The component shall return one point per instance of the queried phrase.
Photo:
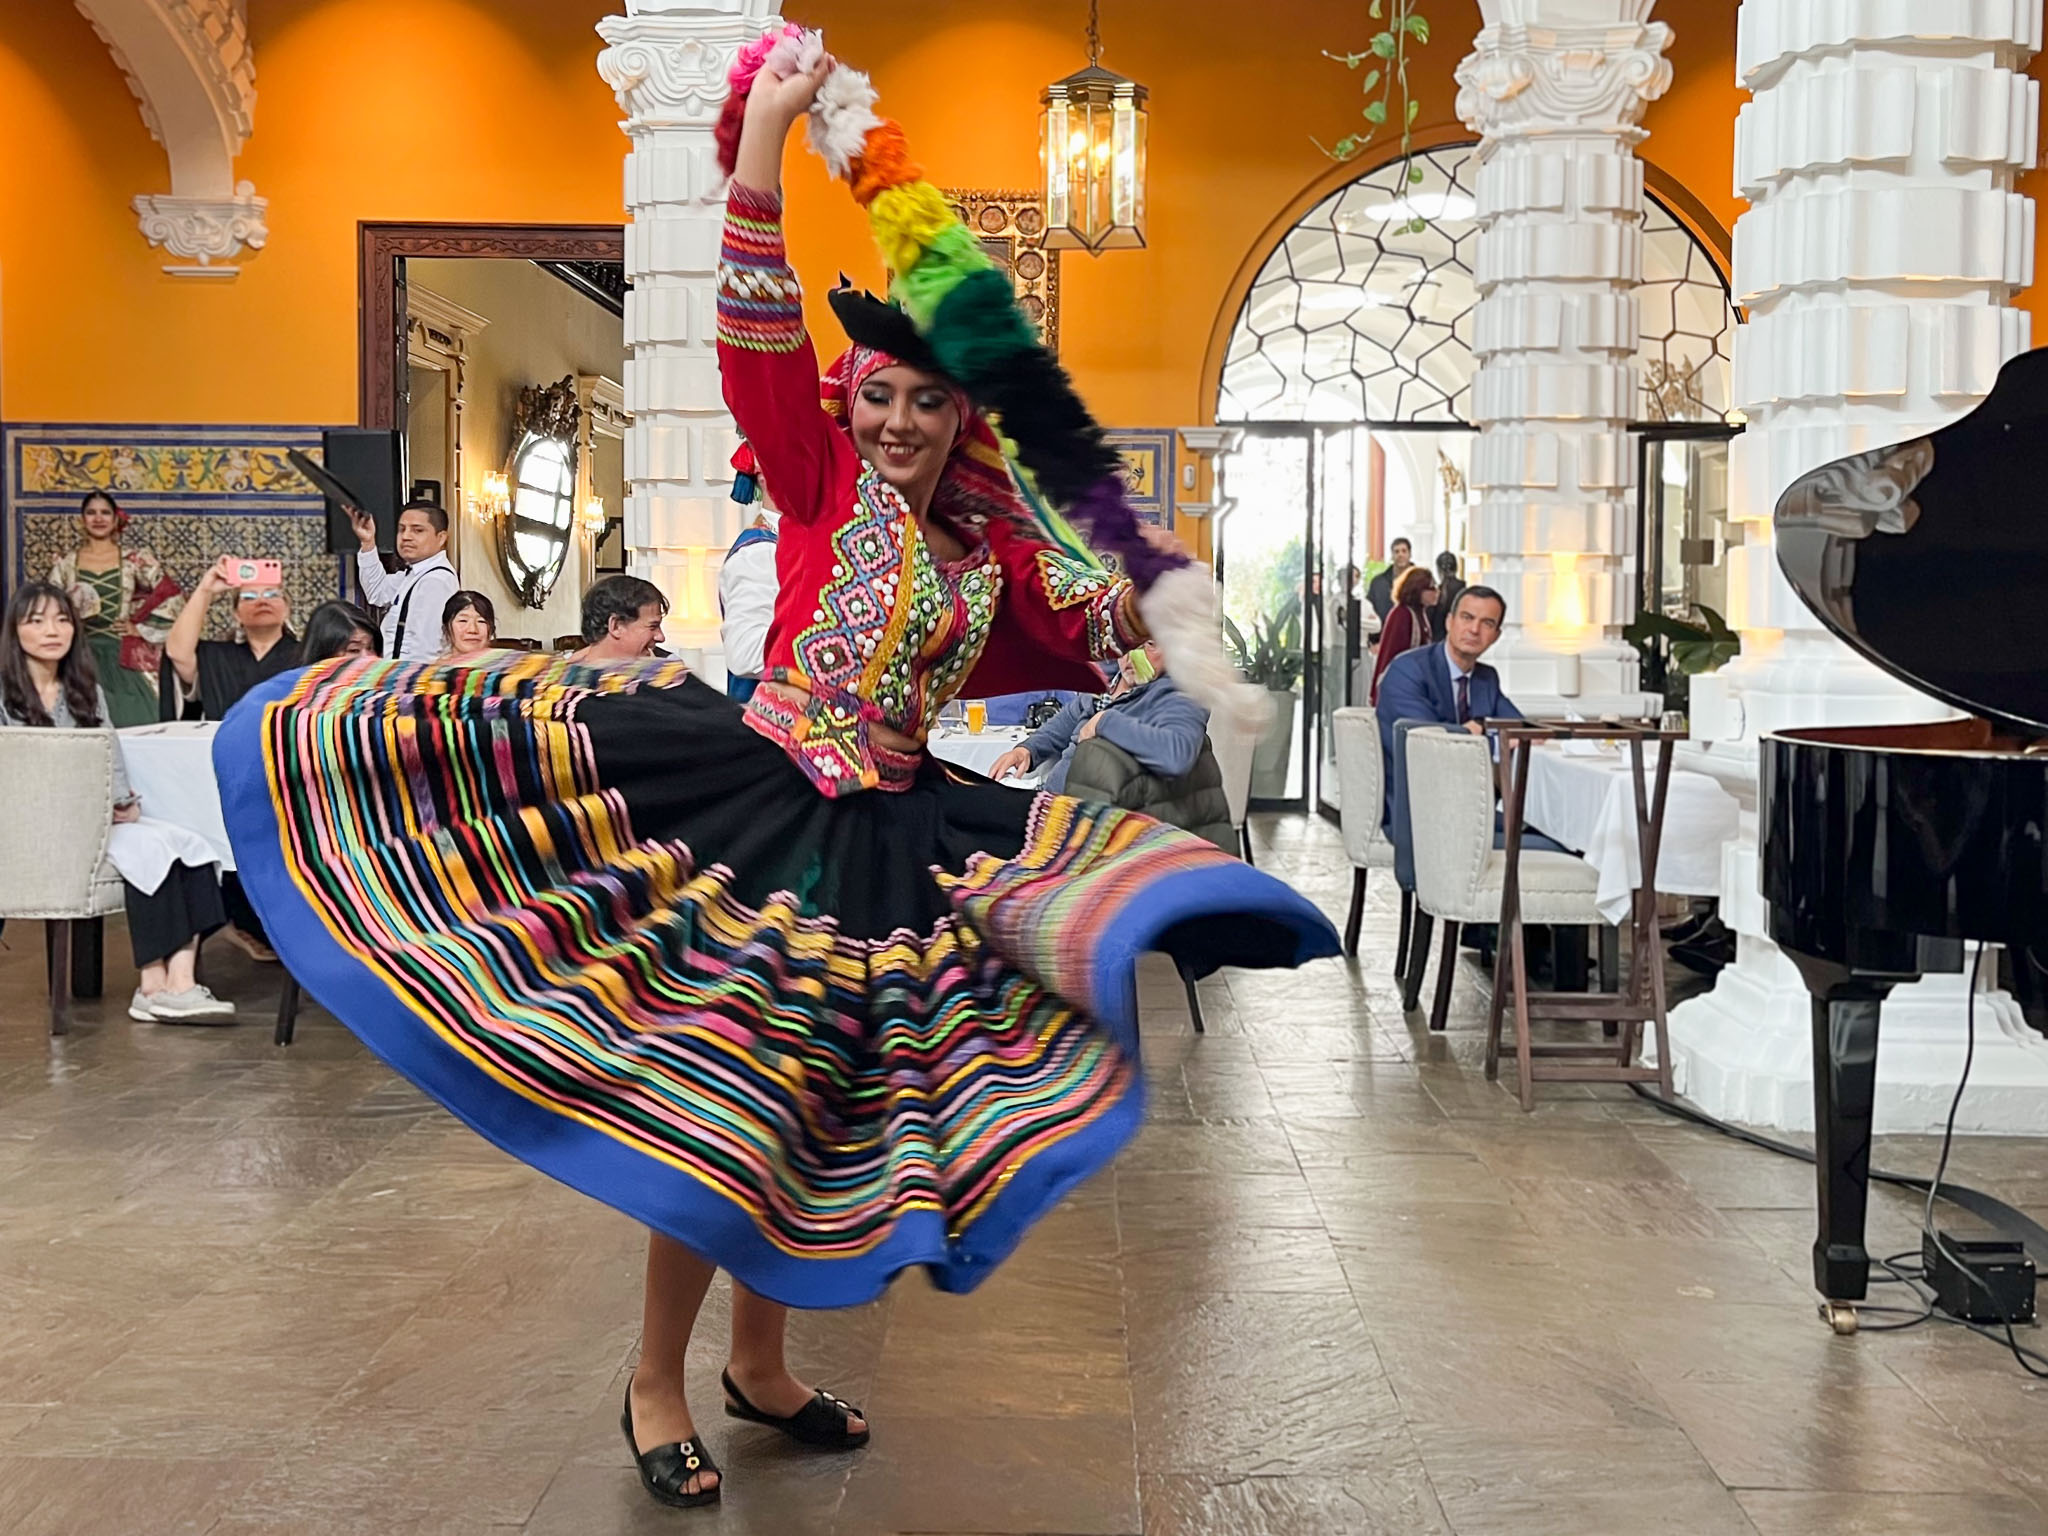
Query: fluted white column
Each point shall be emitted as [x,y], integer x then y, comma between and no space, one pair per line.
[1556,90]
[1878,262]
[667,60]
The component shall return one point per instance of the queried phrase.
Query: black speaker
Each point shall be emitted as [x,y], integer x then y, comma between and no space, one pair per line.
[371,462]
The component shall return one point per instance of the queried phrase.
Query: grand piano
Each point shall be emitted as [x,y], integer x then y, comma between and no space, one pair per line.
[1886,848]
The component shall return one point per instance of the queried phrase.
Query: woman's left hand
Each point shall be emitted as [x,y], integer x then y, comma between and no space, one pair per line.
[128,810]
[1165,541]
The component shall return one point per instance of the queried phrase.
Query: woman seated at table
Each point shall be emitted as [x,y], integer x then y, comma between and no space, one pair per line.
[337,628]
[172,889]
[1407,627]
[469,627]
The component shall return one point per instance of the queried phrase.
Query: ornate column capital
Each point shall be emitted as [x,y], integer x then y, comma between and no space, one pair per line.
[1522,79]
[668,65]
[194,78]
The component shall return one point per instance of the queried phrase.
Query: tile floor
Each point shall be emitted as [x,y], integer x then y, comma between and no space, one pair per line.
[1340,1285]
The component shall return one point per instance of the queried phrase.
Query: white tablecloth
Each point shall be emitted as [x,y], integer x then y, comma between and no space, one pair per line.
[979,753]
[171,767]
[1589,803]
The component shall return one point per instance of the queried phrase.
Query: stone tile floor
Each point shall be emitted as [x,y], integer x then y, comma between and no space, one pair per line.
[1340,1285]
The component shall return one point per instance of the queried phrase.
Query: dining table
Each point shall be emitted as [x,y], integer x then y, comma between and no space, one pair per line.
[979,751]
[170,766]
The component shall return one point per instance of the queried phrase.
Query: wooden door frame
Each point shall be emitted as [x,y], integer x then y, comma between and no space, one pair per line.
[381,244]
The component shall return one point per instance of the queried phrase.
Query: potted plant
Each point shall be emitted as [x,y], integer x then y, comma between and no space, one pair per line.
[1272,658]
[1674,651]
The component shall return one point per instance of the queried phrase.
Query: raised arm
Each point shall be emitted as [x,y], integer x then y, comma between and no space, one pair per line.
[765,358]
[181,645]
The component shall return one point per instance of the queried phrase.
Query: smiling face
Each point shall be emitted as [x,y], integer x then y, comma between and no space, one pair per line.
[46,632]
[468,632]
[100,519]
[905,422]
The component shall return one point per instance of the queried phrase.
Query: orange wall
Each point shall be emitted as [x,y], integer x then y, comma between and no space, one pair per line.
[493,110]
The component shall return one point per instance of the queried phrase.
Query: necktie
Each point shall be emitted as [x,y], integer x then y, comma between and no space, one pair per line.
[1464,699]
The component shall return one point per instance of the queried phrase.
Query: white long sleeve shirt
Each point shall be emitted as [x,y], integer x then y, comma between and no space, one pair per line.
[414,596]
[746,594]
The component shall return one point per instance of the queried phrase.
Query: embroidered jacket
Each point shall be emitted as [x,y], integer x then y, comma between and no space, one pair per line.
[868,619]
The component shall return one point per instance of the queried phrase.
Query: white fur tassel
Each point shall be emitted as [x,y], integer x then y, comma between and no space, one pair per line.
[796,55]
[1180,611]
[841,118]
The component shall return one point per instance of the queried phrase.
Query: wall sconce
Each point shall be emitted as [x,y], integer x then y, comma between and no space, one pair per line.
[1092,143]
[594,517]
[494,501]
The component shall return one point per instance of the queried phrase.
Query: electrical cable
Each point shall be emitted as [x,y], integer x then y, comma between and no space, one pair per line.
[2014,1223]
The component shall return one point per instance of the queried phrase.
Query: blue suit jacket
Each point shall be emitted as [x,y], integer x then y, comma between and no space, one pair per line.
[1417,687]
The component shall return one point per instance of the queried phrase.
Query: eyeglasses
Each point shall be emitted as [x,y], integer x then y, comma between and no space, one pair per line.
[259,595]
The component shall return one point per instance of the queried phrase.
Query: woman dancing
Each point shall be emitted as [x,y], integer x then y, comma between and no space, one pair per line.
[768,977]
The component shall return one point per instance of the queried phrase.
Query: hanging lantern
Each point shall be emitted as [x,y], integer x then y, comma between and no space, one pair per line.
[1092,143]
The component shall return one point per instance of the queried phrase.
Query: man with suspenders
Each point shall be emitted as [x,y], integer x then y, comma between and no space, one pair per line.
[412,599]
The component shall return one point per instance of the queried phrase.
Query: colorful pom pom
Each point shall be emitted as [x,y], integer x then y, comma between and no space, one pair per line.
[906,220]
[732,118]
[978,329]
[747,62]
[952,255]
[884,162]
[842,118]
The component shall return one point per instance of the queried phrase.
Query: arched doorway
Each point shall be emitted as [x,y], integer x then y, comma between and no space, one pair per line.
[1350,366]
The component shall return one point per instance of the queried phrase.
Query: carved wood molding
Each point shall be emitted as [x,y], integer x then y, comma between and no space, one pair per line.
[381,246]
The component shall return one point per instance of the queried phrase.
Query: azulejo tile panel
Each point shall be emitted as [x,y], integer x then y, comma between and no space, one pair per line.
[192,493]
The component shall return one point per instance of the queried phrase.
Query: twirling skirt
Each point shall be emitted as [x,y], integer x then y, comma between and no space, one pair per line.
[617,931]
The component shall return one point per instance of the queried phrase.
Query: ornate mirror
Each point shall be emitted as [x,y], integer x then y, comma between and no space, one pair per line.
[535,535]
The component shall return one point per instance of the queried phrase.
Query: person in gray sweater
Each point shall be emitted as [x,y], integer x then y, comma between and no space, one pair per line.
[1152,720]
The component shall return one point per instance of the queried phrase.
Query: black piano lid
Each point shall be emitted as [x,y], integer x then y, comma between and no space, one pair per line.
[1931,557]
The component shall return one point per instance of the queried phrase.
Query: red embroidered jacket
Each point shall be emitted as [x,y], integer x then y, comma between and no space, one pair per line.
[868,619]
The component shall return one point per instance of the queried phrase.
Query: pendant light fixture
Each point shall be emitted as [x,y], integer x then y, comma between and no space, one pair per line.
[1092,144]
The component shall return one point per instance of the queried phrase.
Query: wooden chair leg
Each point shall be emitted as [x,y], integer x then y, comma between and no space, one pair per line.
[1418,958]
[60,976]
[1357,916]
[287,1011]
[1524,1045]
[1446,968]
[1496,1008]
[1401,944]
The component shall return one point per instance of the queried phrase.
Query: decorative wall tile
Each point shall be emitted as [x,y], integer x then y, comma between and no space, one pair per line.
[192,493]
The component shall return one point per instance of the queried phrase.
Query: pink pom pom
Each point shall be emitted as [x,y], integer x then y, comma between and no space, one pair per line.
[753,55]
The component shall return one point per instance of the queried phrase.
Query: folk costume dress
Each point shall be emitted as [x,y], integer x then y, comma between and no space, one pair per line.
[817,1010]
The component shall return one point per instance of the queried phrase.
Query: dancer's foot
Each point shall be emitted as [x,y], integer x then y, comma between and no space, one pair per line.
[802,1412]
[661,1417]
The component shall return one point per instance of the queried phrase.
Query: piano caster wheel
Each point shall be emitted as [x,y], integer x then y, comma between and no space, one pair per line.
[1839,1315]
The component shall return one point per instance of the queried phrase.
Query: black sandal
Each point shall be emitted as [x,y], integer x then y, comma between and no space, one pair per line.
[820,1422]
[667,1469]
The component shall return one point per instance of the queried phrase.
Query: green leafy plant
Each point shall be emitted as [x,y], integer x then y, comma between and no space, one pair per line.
[1272,657]
[1681,650]
[1388,99]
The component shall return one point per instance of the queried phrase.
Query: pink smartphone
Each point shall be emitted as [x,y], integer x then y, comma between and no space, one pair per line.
[241,571]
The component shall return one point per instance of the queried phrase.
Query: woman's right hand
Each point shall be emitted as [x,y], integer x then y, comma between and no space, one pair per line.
[782,99]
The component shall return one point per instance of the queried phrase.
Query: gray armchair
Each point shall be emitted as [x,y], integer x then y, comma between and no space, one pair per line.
[54,821]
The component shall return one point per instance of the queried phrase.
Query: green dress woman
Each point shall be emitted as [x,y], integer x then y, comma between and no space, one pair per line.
[127,604]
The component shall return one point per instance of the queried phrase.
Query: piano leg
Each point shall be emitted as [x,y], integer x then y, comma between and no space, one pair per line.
[1846,1011]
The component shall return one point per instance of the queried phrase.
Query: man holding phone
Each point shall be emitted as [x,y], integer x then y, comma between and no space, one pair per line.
[412,599]
[219,672]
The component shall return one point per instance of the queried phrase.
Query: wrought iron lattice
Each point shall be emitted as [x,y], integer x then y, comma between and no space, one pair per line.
[1357,318]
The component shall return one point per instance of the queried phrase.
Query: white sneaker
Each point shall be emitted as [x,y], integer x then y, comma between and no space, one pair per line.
[138,1007]
[194,1005]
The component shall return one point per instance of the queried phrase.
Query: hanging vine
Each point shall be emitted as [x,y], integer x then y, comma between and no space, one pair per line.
[1385,62]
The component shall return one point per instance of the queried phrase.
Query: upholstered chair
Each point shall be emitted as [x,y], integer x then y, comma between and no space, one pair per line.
[1234,750]
[54,817]
[1460,875]
[1361,794]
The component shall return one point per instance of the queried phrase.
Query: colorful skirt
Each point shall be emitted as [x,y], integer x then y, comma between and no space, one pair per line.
[617,932]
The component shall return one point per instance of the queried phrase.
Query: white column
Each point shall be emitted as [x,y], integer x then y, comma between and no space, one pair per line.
[1556,90]
[667,60]
[1877,263]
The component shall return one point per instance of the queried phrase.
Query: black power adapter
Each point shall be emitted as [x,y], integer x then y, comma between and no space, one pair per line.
[1979,1280]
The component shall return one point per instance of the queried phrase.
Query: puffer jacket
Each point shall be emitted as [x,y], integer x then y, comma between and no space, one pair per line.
[1103,771]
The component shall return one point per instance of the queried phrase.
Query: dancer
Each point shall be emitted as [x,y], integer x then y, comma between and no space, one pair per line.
[768,977]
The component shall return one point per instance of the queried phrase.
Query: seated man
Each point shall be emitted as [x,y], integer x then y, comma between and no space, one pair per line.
[1447,683]
[218,673]
[1145,714]
[621,620]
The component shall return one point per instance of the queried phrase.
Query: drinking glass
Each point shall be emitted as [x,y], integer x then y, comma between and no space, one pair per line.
[977,716]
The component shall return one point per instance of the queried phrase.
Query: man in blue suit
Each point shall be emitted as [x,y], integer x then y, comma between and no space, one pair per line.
[1447,683]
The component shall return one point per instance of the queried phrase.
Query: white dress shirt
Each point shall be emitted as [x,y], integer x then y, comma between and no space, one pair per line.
[415,595]
[746,596]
